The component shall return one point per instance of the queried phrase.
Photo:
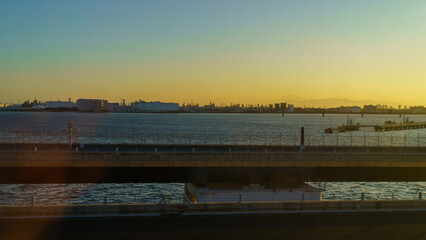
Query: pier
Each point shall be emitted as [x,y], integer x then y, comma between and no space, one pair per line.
[399,126]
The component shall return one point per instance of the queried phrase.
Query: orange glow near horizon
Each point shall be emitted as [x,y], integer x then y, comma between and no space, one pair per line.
[347,53]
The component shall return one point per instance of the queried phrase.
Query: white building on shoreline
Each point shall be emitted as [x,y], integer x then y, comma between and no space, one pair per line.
[59,104]
[143,106]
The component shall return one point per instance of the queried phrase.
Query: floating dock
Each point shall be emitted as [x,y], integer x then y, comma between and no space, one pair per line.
[399,126]
[379,127]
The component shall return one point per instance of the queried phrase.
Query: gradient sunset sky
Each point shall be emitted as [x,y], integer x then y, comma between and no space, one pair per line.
[213,51]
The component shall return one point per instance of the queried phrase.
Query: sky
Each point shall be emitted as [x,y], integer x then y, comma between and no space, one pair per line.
[230,51]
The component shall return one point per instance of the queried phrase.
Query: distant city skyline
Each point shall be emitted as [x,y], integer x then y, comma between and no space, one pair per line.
[103,105]
[308,103]
[240,51]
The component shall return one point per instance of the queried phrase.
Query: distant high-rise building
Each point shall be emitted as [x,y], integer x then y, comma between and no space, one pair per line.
[370,108]
[114,107]
[95,105]
[354,109]
[418,109]
[277,107]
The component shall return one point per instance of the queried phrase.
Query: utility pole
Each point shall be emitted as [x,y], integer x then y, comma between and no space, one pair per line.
[70,128]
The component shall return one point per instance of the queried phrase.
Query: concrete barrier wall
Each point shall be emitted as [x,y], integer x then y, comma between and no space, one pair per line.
[296,206]
[58,159]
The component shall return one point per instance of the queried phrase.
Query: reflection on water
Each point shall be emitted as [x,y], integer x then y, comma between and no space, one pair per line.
[18,194]
[11,194]
[270,129]
[219,127]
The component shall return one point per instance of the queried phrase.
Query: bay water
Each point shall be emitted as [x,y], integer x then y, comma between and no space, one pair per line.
[196,128]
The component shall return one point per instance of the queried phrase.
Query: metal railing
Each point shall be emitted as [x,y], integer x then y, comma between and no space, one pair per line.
[371,196]
[166,199]
[203,138]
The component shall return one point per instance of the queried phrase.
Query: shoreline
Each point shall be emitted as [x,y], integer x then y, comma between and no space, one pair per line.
[214,112]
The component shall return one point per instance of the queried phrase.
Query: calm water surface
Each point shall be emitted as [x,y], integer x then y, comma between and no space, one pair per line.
[213,128]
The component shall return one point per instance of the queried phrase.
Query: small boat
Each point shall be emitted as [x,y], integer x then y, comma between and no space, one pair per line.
[328,130]
[345,128]
[349,126]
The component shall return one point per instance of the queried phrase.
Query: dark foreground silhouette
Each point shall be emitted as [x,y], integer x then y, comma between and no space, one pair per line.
[349,225]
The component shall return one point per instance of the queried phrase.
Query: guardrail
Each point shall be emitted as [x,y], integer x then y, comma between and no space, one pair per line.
[92,137]
[168,199]
[207,208]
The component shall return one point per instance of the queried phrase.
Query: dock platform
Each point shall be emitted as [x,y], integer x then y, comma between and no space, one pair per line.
[399,126]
